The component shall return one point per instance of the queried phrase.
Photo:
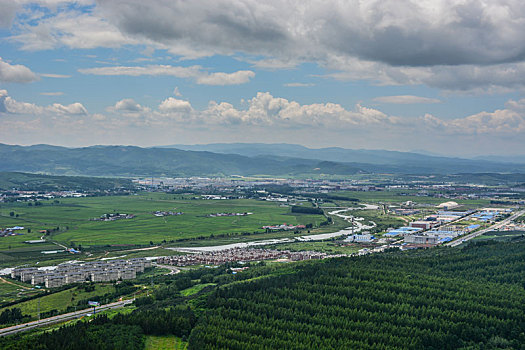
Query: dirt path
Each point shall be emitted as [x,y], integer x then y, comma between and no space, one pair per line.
[14,284]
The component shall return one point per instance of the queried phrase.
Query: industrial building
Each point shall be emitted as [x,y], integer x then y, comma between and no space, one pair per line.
[364,238]
[402,231]
[421,239]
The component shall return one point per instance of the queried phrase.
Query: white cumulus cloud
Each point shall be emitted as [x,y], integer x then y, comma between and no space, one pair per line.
[172,104]
[15,73]
[9,105]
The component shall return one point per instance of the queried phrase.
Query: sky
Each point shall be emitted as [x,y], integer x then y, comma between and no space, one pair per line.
[439,76]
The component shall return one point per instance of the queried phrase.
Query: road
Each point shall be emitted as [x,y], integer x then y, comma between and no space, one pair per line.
[60,318]
[173,269]
[485,230]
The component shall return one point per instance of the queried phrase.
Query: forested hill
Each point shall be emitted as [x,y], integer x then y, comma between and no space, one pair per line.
[35,182]
[441,299]
[171,162]
[136,161]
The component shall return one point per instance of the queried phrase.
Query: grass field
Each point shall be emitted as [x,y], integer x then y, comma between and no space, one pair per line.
[501,235]
[195,289]
[72,218]
[165,343]
[61,300]
[11,291]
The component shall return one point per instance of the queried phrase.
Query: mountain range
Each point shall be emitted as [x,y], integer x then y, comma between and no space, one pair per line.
[232,159]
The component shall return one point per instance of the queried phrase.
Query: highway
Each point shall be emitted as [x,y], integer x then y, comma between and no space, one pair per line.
[485,230]
[60,318]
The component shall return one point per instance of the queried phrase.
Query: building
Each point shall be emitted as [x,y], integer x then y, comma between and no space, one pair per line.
[364,238]
[421,239]
[403,231]
[99,271]
[425,225]
[55,280]
[448,205]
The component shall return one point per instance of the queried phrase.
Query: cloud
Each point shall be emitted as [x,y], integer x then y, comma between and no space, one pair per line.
[406,99]
[58,93]
[129,107]
[395,32]
[299,84]
[452,45]
[273,63]
[15,73]
[9,105]
[174,105]
[57,76]
[70,28]
[9,9]
[193,72]
[236,78]
[507,121]
[176,92]
[266,110]
[72,109]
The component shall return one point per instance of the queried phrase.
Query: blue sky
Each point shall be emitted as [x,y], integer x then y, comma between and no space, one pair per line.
[441,76]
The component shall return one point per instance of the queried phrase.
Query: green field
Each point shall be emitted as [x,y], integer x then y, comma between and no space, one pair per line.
[502,236]
[165,343]
[60,300]
[195,289]
[71,219]
[11,291]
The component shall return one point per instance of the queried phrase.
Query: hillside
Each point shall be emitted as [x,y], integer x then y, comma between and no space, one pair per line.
[369,160]
[35,182]
[232,159]
[136,161]
[441,298]
[438,299]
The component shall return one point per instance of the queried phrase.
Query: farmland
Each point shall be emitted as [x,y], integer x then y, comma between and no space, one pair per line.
[70,220]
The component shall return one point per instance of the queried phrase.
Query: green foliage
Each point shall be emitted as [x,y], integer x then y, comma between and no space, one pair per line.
[13,315]
[98,335]
[436,299]
[37,182]
[136,161]
[306,210]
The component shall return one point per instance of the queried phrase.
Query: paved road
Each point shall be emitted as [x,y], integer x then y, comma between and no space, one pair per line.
[485,230]
[60,318]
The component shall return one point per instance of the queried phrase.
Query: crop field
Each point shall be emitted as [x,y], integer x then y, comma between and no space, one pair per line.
[69,220]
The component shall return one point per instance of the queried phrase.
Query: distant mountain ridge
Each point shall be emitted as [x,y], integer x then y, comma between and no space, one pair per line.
[392,161]
[136,161]
[232,159]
